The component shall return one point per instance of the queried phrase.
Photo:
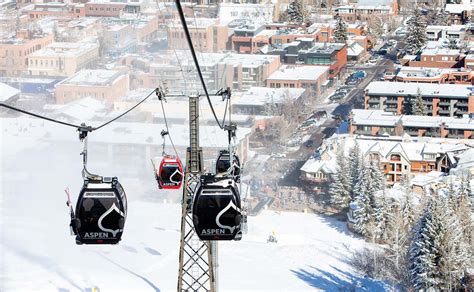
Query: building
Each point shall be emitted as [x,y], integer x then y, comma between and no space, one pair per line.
[257,13]
[431,75]
[206,33]
[257,100]
[438,58]
[105,85]
[451,100]
[459,13]
[305,51]
[249,38]
[118,39]
[437,32]
[14,51]
[104,9]
[58,9]
[364,10]
[308,77]
[397,156]
[381,123]
[62,59]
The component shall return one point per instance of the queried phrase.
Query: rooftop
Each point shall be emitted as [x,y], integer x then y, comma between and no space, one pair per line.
[299,73]
[265,95]
[92,78]
[382,118]
[65,50]
[426,89]
[7,92]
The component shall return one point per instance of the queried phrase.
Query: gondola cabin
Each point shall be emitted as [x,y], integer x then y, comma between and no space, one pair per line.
[170,173]
[223,164]
[217,211]
[101,212]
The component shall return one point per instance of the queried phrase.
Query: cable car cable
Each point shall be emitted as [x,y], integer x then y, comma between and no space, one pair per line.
[81,127]
[38,116]
[196,62]
[160,95]
[127,111]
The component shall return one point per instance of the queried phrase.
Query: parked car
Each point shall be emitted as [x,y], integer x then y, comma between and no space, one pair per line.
[309,143]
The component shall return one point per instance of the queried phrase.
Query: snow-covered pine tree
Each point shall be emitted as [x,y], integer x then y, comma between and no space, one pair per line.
[295,12]
[383,217]
[340,31]
[419,107]
[425,249]
[355,166]
[439,255]
[407,209]
[340,188]
[416,36]
[370,181]
[456,255]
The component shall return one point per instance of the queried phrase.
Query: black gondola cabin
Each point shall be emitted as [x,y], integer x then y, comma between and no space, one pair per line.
[101,212]
[223,164]
[217,211]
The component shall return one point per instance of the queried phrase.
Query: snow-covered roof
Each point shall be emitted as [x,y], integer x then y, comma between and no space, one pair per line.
[426,89]
[457,8]
[80,110]
[426,179]
[465,162]
[314,165]
[311,73]
[265,95]
[383,118]
[65,50]
[96,77]
[412,150]
[7,92]
[355,49]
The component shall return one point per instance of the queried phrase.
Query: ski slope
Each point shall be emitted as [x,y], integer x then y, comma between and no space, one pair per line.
[37,252]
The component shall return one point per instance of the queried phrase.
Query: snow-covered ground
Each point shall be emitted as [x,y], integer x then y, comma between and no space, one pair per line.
[38,254]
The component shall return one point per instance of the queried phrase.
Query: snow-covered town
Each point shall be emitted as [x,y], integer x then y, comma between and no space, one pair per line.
[283,145]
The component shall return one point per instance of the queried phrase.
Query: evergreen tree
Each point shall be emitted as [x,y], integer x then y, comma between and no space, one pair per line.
[340,31]
[416,36]
[383,217]
[439,256]
[419,107]
[407,209]
[296,12]
[442,18]
[370,181]
[355,166]
[340,188]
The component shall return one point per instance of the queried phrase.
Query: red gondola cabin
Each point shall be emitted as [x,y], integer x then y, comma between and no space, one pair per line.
[170,173]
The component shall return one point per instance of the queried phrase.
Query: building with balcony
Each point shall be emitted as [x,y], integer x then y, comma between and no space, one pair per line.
[396,156]
[432,75]
[62,59]
[436,32]
[106,85]
[450,100]
[381,123]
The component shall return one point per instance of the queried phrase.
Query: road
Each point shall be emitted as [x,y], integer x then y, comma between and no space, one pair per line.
[354,99]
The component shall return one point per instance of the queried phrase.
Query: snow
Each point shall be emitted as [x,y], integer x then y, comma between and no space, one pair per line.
[299,73]
[38,254]
[427,89]
[7,92]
